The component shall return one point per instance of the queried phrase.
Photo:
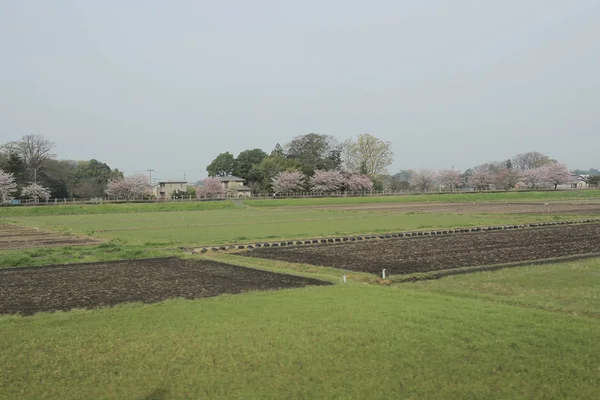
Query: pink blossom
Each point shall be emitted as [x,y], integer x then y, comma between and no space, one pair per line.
[422,180]
[506,178]
[213,187]
[481,177]
[533,177]
[555,173]
[356,183]
[7,186]
[449,178]
[129,187]
[36,191]
[327,181]
[288,182]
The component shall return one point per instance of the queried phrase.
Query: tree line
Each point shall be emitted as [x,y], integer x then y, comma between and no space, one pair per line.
[292,168]
[312,162]
[307,160]
[530,170]
[29,169]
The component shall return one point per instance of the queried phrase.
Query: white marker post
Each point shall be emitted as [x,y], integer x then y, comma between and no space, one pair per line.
[383,274]
[344,278]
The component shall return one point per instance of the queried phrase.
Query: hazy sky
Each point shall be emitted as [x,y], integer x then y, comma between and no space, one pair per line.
[170,84]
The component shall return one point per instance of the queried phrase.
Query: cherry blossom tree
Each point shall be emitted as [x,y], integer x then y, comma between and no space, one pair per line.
[449,178]
[129,187]
[327,181]
[533,177]
[36,192]
[213,187]
[357,183]
[481,177]
[555,173]
[506,178]
[423,180]
[288,182]
[7,186]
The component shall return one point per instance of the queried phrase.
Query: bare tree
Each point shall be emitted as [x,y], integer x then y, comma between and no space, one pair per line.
[33,150]
[531,160]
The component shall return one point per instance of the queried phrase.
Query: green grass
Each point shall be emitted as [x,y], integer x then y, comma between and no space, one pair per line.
[448,198]
[243,225]
[87,209]
[519,333]
[572,287]
[79,254]
[351,342]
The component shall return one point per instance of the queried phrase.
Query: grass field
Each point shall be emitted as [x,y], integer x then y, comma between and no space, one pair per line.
[79,254]
[449,197]
[351,342]
[571,288]
[243,225]
[87,209]
[521,333]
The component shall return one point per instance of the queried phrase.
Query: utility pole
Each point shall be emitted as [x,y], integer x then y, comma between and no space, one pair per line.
[150,170]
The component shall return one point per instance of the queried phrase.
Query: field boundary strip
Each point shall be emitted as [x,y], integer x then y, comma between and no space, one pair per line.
[380,236]
[485,268]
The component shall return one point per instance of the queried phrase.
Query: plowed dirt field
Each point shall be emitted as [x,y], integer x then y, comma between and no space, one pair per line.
[434,253]
[64,287]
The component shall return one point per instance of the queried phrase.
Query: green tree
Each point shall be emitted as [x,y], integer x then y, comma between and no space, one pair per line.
[91,178]
[245,161]
[315,151]
[368,154]
[593,180]
[278,151]
[16,166]
[271,166]
[58,176]
[221,166]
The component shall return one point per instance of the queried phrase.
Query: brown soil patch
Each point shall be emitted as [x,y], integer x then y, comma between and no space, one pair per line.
[433,253]
[575,208]
[16,237]
[63,287]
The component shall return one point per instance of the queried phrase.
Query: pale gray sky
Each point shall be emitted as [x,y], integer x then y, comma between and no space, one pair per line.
[169,84]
